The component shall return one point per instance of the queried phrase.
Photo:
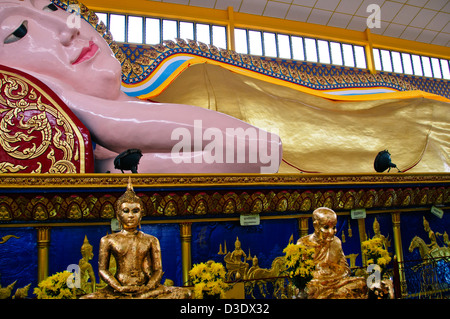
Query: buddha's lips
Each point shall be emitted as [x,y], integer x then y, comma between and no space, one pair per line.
[86,53]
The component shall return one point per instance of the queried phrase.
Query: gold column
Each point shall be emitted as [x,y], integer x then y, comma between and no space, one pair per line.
[186,263]
[369,52]
[362,237]
[230,30]
[398,248]
[43,244]
[303,226]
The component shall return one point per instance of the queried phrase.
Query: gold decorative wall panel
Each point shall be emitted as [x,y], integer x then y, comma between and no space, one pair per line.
[213,195]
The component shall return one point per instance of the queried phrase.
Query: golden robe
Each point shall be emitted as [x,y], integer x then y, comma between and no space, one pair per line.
[321,135]
[331,277]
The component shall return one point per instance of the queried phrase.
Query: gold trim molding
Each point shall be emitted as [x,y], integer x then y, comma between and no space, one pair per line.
[91,197]
[212,180]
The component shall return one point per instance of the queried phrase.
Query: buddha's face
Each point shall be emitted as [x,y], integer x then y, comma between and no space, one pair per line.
[130,215]
[325,227]
[39,38]
[87,253]
[376,228]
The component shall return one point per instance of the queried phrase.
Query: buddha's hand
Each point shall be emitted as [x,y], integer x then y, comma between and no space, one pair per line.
[152,284]
[129,289]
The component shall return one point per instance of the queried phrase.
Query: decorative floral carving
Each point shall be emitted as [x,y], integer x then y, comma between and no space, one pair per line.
[36,136]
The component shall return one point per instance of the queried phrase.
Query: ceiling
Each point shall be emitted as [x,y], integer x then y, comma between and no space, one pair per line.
[425,21]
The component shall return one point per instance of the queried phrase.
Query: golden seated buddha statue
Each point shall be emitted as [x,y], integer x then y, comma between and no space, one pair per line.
[138,258]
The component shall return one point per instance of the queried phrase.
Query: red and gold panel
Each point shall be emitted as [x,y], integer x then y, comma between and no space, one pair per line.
[38,132]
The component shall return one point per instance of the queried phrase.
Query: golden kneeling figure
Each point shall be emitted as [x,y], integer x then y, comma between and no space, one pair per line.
[331,278]
[138,258]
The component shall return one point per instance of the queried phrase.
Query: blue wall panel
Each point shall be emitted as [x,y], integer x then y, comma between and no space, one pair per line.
[18,258]
[266,240]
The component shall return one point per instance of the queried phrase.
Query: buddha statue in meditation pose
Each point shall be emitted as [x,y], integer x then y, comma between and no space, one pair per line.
[86,270]
[331,277]
[138,258]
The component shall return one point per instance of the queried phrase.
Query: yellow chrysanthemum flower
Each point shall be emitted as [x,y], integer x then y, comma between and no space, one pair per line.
[55,287]
[299,261]
[373,249]
[208,278]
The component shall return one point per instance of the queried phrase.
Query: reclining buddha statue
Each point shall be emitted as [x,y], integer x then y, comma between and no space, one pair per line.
[208,118]
[76,62]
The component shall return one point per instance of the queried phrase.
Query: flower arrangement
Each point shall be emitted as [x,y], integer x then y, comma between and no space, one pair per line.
[299,264]
[376,254]
[208,279]
[55,287]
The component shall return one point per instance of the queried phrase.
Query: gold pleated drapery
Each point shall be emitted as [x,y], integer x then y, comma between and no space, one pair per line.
[321,135]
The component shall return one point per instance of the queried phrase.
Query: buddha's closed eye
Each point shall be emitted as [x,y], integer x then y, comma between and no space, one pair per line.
[22,30]
[18,34]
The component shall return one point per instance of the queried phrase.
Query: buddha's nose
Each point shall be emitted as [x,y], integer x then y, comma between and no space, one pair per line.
[68,34]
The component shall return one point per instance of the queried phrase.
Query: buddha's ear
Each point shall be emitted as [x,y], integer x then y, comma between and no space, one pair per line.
[315,223]
[141,204]
[120,224]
